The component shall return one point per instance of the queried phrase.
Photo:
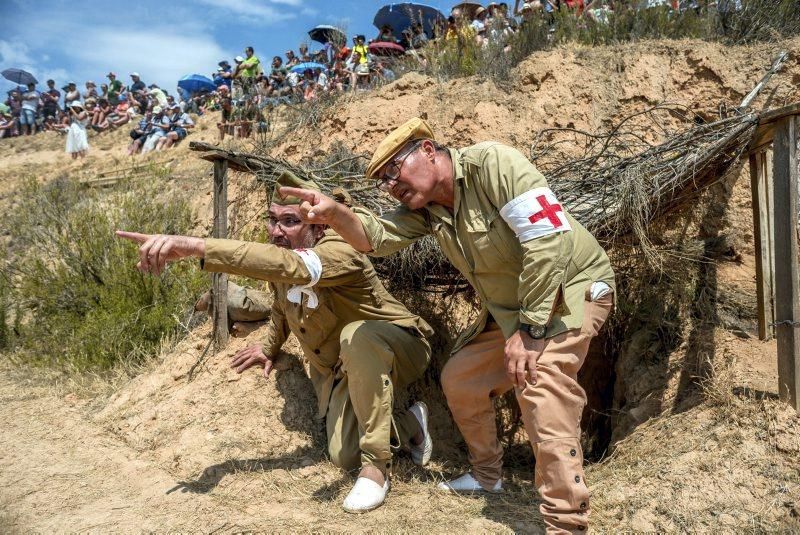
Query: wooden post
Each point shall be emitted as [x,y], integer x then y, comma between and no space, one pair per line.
[219,281]
[760,183]
[787,286]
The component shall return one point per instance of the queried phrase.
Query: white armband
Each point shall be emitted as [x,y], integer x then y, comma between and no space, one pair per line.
[314,266]
[534,214]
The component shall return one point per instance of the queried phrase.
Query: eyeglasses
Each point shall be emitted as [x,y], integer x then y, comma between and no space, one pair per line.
[391,171]
[286,223]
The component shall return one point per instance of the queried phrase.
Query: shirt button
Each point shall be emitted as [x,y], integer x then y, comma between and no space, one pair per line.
[572,452]
[583,505]
[302,329]
[581,528]
[577,479]
[316,351]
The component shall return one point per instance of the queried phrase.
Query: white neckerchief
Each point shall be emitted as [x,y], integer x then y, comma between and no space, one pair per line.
[314,266]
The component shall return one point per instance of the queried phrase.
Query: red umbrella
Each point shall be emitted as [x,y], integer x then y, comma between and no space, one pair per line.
[383,48]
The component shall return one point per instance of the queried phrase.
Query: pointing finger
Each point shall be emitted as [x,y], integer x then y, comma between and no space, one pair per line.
[306,195]
[132,236]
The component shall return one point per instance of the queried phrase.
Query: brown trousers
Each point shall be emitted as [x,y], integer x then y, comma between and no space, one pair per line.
[551,413]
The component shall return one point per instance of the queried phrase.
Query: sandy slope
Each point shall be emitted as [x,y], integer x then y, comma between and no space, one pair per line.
[230,453]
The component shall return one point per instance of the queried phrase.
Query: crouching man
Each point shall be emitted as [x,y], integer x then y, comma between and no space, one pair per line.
[545,284]
[362,344]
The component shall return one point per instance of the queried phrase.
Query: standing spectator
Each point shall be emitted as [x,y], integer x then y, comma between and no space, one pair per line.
[114,88]
[137,84]
[224,73]
[104,91]
[77,143]
[250,68]
[91,91]
[29,108]
[50,100]
[277,77]
[71,94]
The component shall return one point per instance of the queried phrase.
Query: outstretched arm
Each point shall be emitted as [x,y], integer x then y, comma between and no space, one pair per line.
[320,209]
[157,249]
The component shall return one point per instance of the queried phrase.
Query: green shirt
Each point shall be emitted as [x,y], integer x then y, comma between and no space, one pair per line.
[251,67]
[114,89]
[541,281]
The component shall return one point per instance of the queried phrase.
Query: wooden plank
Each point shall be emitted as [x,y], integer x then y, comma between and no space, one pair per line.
[765,133]
[787,286]
[219,281]
[763,242]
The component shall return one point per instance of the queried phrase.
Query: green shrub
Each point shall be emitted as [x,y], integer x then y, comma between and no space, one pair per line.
[81,301]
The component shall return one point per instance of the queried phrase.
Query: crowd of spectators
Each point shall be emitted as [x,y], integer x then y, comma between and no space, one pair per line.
[244,91]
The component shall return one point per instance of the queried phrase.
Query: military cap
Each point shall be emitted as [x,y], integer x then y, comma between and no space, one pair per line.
[411,130]
[290,180]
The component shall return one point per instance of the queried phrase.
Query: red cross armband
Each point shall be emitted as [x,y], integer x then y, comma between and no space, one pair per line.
[534,214]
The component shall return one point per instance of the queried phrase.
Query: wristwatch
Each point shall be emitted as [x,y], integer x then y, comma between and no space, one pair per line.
[534,331]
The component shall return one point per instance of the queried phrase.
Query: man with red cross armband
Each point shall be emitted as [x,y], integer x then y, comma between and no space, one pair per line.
[546,288]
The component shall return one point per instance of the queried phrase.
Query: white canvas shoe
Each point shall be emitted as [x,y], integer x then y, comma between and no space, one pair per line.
[467,484]
[421,453]
[365,496]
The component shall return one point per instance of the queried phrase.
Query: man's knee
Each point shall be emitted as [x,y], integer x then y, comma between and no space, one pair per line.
[453,383]
[358,340]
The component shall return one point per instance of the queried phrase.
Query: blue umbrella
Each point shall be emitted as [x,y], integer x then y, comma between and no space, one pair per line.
[327,34]
[194,83]
[402,15]
[301,67]
[18,76]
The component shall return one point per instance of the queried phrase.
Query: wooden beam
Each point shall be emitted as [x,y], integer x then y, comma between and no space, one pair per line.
[219,281]
[765,133]
[760,174]
[787,285]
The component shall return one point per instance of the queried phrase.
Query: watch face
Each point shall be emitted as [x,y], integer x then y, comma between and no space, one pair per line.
[537,331]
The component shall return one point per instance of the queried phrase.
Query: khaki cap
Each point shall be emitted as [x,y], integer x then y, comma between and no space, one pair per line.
[411,130]
[290,180]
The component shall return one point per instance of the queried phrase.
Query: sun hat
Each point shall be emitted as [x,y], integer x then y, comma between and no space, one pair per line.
[479,11]
[526,7]
[89,82]
[157,109]
[411,130]
[76,104]
[110,74]
[238,59]
[136,74]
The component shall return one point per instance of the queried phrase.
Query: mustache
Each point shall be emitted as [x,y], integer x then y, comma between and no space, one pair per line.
[280,242]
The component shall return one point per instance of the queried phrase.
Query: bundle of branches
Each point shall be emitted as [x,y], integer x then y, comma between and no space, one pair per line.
[616,183]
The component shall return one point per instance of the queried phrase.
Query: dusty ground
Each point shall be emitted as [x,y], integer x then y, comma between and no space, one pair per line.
[228,453]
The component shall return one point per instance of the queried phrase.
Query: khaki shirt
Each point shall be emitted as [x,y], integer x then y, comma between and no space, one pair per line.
[542,281]
[348,290]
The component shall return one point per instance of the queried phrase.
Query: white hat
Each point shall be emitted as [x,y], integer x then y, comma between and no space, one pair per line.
[136,74]
[238,59]
[526,6]
[76,104]
[157,109]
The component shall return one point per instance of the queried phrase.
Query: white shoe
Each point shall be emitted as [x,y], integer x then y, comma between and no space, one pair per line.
[467,484]
[421,453]
[365,496]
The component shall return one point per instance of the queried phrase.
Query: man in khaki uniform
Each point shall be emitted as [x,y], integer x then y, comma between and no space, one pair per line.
[545,284]
[361,343]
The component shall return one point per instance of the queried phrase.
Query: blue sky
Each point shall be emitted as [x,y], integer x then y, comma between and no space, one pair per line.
[162,40]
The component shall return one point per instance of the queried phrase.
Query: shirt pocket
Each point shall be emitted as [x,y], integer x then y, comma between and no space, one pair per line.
[489,234]
[317,329]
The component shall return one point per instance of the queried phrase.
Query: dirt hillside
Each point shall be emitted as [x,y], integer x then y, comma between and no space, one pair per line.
[227,453]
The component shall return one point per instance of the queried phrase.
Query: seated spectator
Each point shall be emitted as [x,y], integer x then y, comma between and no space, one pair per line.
[137,84]
[103,91]
[386,35]
[28,110]
[418,37]
[303,53]
[159,96]
[385,73]
[161,125]
[50,100]
[7,123]
[277,78]
[99,113]
[451,31]
[359,70]
[91,91]
[114,89]
[180,123]
[322,80]
[120,115]
[291,59]
[139,134]
[309,85]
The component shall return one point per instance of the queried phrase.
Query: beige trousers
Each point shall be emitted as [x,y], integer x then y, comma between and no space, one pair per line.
[551,412]
[363,424]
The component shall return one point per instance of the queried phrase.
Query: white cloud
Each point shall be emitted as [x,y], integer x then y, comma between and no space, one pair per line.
[13,54]
[160,55]
[257,11]
[19,56]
